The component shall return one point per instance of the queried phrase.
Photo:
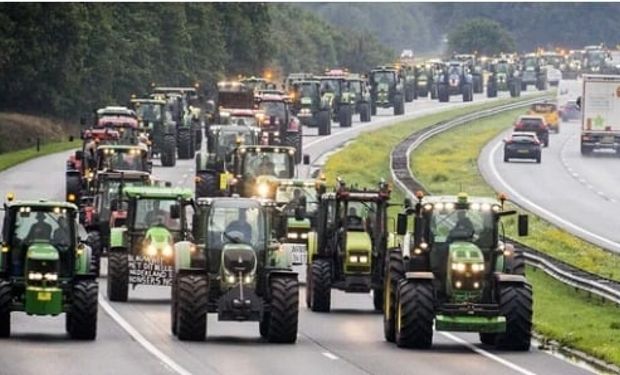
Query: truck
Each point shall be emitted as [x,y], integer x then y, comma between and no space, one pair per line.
[600,111]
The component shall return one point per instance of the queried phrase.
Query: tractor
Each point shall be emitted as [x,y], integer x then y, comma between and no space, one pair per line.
[212,167]
[157,121]
[423,80]
[533,72]
[336,93]
[45,266]
[310,107]
[237,270]
[142,248]
[386,90]
[97,216]
[474,68]
[122,158]
[408,76]
[357,86]
[280,127]
[232,95]
[455,79]
[453,271]
[435,67]
[347,249]
[120,119]
[296,77]
[503,76]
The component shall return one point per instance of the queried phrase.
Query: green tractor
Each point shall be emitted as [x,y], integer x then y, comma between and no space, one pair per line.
[408,76]
[503,76]
[454,272]
[358,87]
[310,107]
[237,270]
[161,129]
[423,80]
[386,90]
[45,266]
[212,167]
[347,249]
[474,67]
[334,91]
[142,248]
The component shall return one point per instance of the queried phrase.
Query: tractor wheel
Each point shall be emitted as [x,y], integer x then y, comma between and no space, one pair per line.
[73,186]
[377,299]
[491,91]
[184,147]
[283,317]
[82,319]
[514,91]
[365,113]
[118,276]
[395,272]
[422,93]
[345,116]
[324,122]
[415,314]
[586,150]
[6,296]
[487,338]
[442,94]
[408,95]
[515,262]
[173,306]
[523,86]
[192,301]
[197,137]
[94,241]
[373,109]
[321,274]
[478,88]
[515,303]
[293,139]
[468,95]
[169,151]
[207,184]
[399,105]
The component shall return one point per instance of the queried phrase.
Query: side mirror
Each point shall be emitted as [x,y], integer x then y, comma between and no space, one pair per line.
[578,102]
[175,211]
[523,225]
[401,224]
[79,155]
[408,203]
[306,160]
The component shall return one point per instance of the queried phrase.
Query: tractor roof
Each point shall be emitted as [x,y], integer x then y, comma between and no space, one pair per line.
[116,111]
[117,120]
[232,86]
[233,202]
[125,175]
[158,192]
[176,90]
[306,82]
[273,98]
[298,182]
[266,149]
[124,147]
[148,101]
[384,68]
[461,198]
[44,203]
[234,129]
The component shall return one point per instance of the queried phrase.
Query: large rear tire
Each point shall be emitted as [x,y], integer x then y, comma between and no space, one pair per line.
[491,91]
[82,319]
[394,274]
[324,122]
[345,116]
[284,314]
[399,105]
[192,301]
[365,112]
[6,296]
[468,94]
[118,276]
[415,315]
[320,298]
[94,241]
[377,299]
[168,153]
[184,146]
[207,184]
[515,303]
[442,94]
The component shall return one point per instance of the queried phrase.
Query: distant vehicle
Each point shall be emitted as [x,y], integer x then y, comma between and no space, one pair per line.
[550,112]
[570,111]
[522,145]
[535,124]
[600,110]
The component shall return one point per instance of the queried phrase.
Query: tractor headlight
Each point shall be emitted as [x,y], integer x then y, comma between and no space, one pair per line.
[51,276]
[230,279]
[168,251]
[363,259]
[247,279]
[35,276]
[458,284]
[263,190]
[303,236]
[353,259]
[276,134]
[458,267]
[292,235]
[477,267]
[151,250]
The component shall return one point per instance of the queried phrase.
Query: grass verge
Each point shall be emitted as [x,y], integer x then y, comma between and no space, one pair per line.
[13,158]
[560,313]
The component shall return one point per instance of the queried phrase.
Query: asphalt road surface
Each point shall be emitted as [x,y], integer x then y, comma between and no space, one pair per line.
[135,338]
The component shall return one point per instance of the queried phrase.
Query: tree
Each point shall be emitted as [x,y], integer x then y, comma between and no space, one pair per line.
[482,36]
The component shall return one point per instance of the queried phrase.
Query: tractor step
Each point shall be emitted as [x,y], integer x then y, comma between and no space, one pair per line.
[464,323]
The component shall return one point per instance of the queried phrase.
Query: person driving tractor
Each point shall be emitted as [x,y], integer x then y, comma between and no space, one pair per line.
[242,226]
[464,228]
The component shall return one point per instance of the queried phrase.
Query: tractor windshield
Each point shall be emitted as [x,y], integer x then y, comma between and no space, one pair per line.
[356,214]
[502,68]
[595,58]
[385,77]
[149,112]
[130,159]
[43,225]
[355,87]
[331,85]
[463,225]
[455,70]
[308,90]
[277,164]
[228,140]
[235,225]
[243,120]
[531,62]
[291,195]
[155,212]
[109,192]
[275,109]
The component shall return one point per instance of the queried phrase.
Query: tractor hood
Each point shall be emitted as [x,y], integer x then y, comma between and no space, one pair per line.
[293,223]
[238,263]
[158,241]
[42,251]
[466,269]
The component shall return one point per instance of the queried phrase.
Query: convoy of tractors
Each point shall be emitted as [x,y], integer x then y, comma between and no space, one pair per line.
[229,246]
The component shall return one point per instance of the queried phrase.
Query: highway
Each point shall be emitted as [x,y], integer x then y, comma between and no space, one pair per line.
[573,192]
[135,338]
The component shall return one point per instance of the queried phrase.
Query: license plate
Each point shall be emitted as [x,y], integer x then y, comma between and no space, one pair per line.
[44,296]
[298,254]
[523,151]
[607,140]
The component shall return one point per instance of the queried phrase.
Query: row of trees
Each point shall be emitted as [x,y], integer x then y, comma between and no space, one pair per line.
[65,59]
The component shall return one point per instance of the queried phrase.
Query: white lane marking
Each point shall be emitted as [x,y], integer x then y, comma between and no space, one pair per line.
[488,355]
[331,356]
[141,339]
[575,228]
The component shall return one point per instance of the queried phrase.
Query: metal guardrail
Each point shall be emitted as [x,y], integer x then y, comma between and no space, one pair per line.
[403,176]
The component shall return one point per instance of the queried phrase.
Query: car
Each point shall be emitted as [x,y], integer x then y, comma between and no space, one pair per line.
[570,111]
[535,124]
[522,145]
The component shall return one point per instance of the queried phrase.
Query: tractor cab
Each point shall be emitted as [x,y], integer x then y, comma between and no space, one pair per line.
[306,97]
[255,166]
[279,126]
[121,119]
[223,140]
[123,158]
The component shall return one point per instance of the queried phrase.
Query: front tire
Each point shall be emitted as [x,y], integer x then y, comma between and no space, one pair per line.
[169,151]
[321,273]
[82,319]
[192,299]
[6,299]
[345,116]
[94,241]
[283,317]
[415,315]
[184,146]
[395,272]
[207,184]
[118,276]
[515,303]
[399,105]
[324,123]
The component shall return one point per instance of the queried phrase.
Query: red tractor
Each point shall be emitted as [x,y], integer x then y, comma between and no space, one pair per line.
[279,126]
[121,119]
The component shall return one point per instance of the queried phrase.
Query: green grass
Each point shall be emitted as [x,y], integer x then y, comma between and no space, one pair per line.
[444,169]
[13,158]
[574,319]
